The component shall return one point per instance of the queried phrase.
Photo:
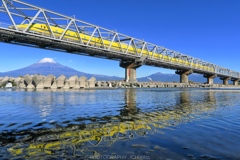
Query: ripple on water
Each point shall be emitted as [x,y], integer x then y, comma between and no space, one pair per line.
[171,123]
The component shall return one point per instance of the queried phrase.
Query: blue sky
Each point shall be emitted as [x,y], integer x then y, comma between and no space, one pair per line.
[205,29]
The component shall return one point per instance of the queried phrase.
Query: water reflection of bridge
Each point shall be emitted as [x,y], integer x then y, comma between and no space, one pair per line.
[131,123]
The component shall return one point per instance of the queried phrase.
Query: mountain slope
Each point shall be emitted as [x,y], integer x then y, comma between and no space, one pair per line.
[48,66]
[160,77]
[175,78]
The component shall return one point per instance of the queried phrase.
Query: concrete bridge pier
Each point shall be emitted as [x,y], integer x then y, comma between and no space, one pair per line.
[210,78]
[130,74]
[184,75]
[235,81]
[131,69]
[225,80]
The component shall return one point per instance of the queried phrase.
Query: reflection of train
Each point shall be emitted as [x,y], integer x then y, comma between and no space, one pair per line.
[98,42]
[124,128]
[93,133]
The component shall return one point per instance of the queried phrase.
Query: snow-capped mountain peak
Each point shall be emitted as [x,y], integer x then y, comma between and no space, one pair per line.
[47,60]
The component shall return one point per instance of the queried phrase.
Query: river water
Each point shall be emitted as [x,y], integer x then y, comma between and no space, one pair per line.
[160,123]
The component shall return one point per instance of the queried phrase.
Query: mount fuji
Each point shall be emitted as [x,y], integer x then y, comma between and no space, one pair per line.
[48,66]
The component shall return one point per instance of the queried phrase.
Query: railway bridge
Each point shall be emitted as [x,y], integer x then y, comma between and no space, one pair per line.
[38,27]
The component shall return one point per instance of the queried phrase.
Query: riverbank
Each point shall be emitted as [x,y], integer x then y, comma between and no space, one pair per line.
[75,82]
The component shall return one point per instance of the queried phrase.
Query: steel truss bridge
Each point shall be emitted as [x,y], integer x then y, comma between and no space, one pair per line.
[100,42]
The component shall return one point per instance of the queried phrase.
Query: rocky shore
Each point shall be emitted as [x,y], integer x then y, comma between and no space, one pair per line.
[75,82]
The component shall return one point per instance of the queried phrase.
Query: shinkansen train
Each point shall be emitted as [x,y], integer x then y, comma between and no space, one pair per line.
[95,41]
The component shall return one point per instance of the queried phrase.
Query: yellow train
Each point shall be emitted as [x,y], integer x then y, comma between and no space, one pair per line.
[98,42]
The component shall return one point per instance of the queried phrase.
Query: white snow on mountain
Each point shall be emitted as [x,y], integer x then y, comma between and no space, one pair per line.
[47,60]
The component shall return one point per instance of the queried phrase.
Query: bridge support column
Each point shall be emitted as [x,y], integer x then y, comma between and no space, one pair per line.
[130,74]
[235,81]
[210,78]
[184,75]
[131,69]
[225,80]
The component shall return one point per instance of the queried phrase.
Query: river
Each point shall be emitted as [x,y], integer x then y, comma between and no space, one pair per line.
[142,123]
